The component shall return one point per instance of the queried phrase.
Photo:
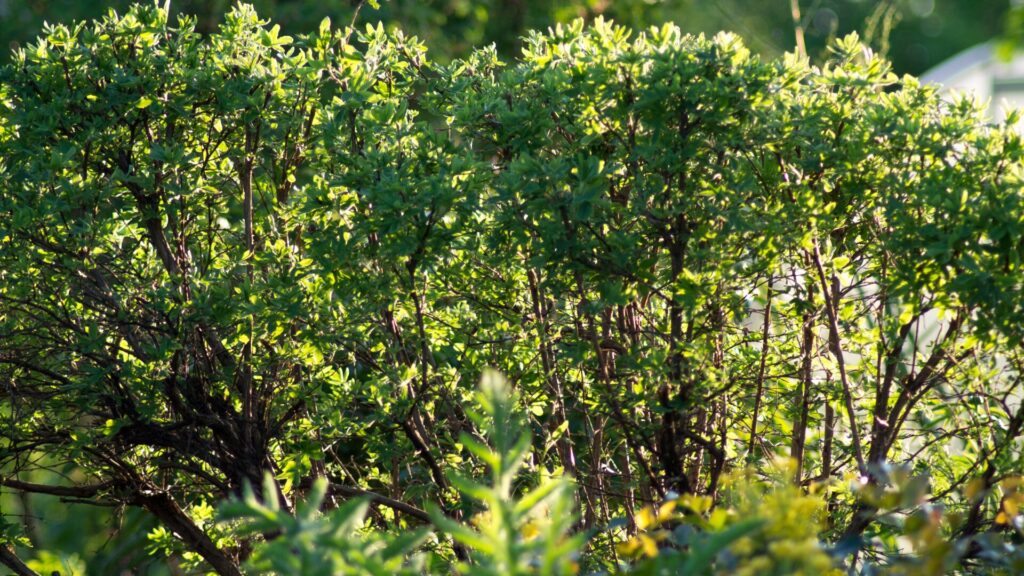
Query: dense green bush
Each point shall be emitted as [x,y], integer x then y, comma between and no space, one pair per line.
[250,253]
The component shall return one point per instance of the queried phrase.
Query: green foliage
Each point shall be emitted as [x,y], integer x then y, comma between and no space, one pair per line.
[527,534]
[314,545]
[761,526]
[258,252]
[513,535]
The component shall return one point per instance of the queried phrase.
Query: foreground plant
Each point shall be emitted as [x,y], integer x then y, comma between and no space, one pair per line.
[514,533]
[312,544]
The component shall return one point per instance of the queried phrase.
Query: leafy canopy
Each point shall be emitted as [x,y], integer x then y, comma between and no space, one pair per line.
[249,253]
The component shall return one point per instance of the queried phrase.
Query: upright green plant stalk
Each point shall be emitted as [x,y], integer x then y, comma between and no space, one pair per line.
[515,534]
[308,543]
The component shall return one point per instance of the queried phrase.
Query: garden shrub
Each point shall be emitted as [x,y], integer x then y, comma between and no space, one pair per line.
[246,255]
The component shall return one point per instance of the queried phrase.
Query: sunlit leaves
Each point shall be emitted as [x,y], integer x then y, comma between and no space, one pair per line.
[248,251]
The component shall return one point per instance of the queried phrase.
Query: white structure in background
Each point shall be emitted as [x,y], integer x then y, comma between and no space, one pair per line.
[981,71]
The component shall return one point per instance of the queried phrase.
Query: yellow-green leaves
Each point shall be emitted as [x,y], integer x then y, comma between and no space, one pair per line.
[231,253]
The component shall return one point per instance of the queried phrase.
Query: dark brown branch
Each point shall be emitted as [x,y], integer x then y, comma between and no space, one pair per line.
[10,559]
[167,511]
[86,491]
[765,333]
[421,446]
[339,489]
[835,344]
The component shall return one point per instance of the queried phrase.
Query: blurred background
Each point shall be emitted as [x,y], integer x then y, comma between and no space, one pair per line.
[915,34]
